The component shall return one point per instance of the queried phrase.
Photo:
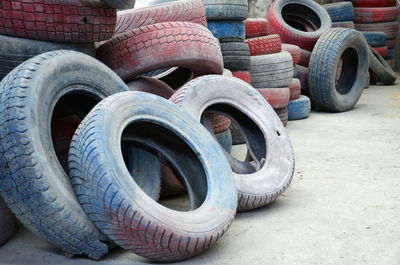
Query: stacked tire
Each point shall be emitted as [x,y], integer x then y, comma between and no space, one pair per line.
[341,13]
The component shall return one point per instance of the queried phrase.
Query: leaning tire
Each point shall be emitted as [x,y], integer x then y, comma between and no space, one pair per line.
[342,11]
[236,56]
[226,9]
[381,68]
[227,30]
[7,223]
[114,202]
[43,200]
[299,108]
[264,45]
[325,92]
[257,185]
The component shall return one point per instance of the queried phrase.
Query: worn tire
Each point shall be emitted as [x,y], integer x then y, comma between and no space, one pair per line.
[294,51]
[264,45]
[63,20]
[236,56]
[226,9]
[284,14]
[120,4]
[114,202]
[389,28]
[224,138]
[227,30]
[14,51]
[152,86]
[218,122]
[304,58]
[375,14]
[325,93]
[389,54]
[294,71]
[139,51]
[381,68]
[283,115]
[185,10]
[256,27]
[278,98]
[373,3]
[242,75]
[40,194]
[8,223]
[257,185]
[343,24]
[375,39]
[272,70]
[391,43]
[299,108]
[341,11]
[302,75]
[383,51]
[295,89]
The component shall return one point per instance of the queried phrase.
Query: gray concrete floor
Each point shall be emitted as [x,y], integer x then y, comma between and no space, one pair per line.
[341,208]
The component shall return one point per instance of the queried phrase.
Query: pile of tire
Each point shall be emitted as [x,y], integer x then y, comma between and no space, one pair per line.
[341,13]
[86,143]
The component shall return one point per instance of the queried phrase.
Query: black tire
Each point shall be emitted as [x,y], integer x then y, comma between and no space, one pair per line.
[120,4]
[269,169]
[7,223]
[114,202]
[375,39]
[227,30]
[236,56]
[325,93]
[40,194]
[14,51]
[226,9]
[380,67]
[342,11]
[271,70]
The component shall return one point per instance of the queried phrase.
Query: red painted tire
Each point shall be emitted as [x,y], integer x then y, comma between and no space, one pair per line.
[391,43]
[375,14]
[163,45]
[264,45]
[243,75]
[294,50]
[278,98]
[305,58]
[219,122]
[186,10]
[373,3]
[62,20]
[295,89]
[381,50]
[389,28]
[283,115]
[256,27]
[289,19]
[302,75]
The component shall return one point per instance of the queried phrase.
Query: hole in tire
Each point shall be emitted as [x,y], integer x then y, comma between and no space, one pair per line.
[348,71]
[301,17]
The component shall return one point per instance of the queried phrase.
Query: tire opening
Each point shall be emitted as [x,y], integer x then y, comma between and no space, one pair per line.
[301,17]
[348,72]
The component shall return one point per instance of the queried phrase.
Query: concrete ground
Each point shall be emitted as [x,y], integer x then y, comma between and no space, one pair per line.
[341,208]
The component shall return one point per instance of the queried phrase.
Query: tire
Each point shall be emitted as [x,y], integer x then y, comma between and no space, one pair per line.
[44,200]
[227,72]
[391,43]
[272,70]
[389,28]
[186,10]
[302,75]
[264,45]
[295,89]
[218,122]
[226,9]
[373,3]
[278,98]
[335,44]
[236,56]
[380,68]
[304,58]
[7,223]
[157,233]
[390,62]
[175,77]
[237,137]
[375,14]
[294,71]
[64,21]
[283,115]
[14,51]
[120,4]
[256,120]
[225,140]
[129,54]
[256,27]
[152,86]
[383,51]
[299,108]
[227,30]
[294,51]
[389,54]
[343,24]
[242,75]
[341,11]
[375,39]
[297,13]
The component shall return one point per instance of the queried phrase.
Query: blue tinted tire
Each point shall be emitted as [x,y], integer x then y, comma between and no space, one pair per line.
[227,30]
[299,108]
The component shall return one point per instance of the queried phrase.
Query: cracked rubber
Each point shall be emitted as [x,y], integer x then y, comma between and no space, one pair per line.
[264,45]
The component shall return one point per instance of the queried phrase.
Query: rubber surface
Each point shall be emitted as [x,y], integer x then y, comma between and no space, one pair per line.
[32,182]
[375,14]
[283,115]
[391,43]
[294,71]
[63,20]
[163,45]
[236,56]
[298,12]
[389,54]
[375,39]
[114,202]
[242,75]
[218,122]
[304,58]
[294,51]
[295,89]
[389,28]
[227,30]
[299,108]
[185,10]
[8,223]
[343,24]
[256,27]
[270,172]
[120,4]
[14,51]
[226,9]
[152,86]
[341,11]
[302,75]
[325,92]
[264,45]
[383,51]
[272,70]
[225,140]
[373,3]
[381,68]
[278,98]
